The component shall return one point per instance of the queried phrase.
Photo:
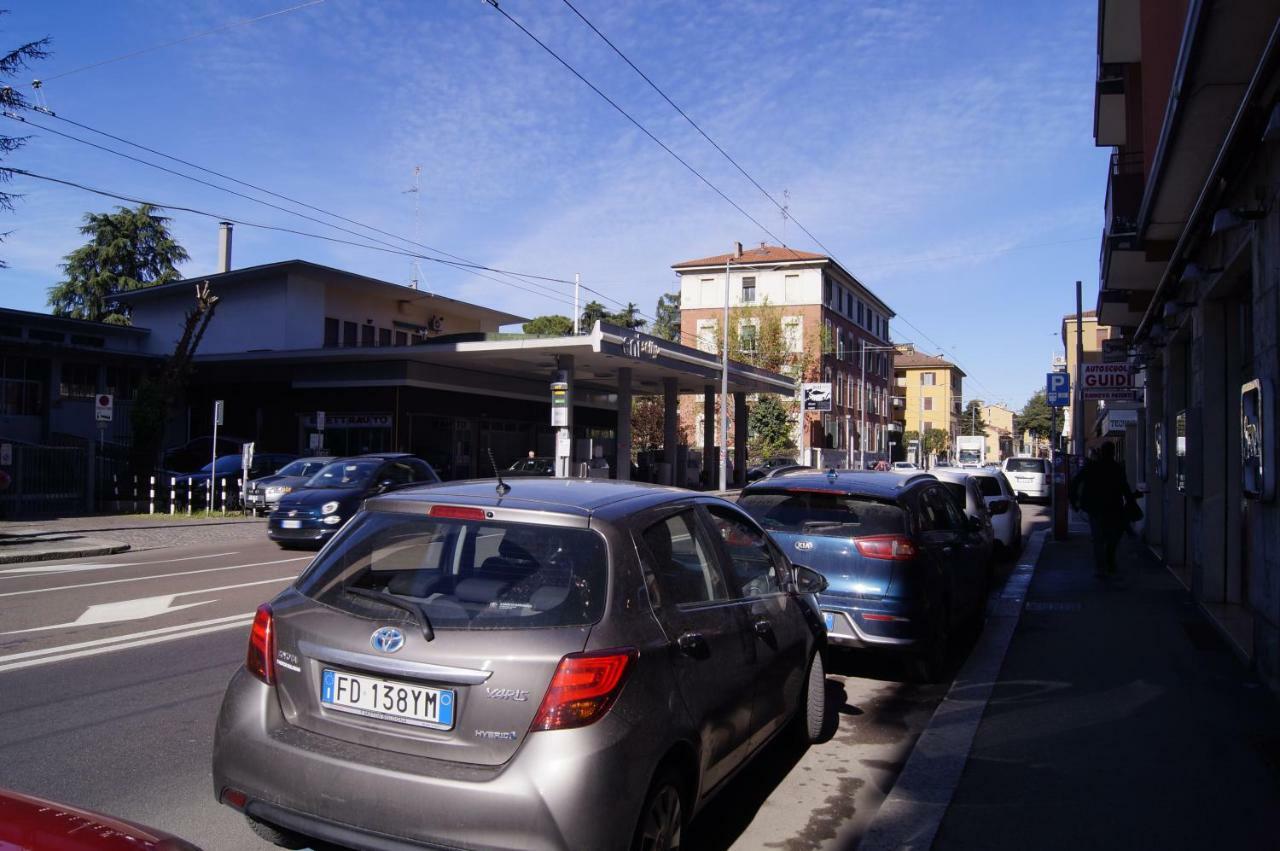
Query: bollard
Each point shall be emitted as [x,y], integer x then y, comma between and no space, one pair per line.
[224,494]
[152,501]
[135,493]
[173,495]
[188,496]
[115,492]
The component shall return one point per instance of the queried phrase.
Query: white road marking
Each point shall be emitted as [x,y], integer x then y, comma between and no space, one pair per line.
[31,658]
[19,572]
[156,576]
[140,608]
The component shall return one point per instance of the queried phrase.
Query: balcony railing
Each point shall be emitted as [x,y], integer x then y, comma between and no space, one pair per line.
[1124,193]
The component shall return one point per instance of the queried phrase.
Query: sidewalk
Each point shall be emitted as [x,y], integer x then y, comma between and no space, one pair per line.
[102,534]
[1120,719]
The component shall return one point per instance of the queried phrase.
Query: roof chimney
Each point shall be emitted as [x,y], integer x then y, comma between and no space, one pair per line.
[224,247]
[737,250]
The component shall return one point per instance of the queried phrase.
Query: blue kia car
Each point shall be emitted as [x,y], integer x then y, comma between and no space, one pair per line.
[905,566]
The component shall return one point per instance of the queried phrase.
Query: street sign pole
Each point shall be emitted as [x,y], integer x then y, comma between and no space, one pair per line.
[213,464]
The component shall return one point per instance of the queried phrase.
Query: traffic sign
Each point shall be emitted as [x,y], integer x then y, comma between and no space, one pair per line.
[246,456]
[103,408]
[1057,389]
[816,396]
[319,420]
[218,407]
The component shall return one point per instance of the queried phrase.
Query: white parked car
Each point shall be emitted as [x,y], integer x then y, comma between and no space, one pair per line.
[904,465]
[1029,477]
[1002,503]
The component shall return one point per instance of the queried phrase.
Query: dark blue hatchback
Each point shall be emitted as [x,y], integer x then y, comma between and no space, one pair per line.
[904,565]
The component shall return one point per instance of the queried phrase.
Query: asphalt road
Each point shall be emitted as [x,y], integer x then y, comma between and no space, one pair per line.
[112,670]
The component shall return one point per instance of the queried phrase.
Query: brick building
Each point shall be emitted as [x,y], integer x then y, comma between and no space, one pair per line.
[830,321]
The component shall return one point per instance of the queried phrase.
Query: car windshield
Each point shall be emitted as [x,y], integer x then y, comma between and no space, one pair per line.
[833,515]
[465,574]
[225,464]
[344,474]
[531,465]
[302,467]
[1025,465]
[990,485]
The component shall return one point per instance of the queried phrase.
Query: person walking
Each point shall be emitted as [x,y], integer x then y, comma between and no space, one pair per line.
[1102,491]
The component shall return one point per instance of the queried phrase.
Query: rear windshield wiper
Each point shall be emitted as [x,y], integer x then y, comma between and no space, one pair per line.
[824,524]
[419,616]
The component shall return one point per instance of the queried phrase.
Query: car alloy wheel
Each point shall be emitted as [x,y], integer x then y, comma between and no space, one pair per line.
[663,818]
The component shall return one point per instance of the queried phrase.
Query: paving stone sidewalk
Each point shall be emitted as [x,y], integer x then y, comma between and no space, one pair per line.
[1120,719]
[141,532]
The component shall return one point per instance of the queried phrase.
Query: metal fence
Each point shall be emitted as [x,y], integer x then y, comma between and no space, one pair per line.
[55,481]
[45,481]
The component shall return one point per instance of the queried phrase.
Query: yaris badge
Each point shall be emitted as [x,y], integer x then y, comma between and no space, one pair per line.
[388,639]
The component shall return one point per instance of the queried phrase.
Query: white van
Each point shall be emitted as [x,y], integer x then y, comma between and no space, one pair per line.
[1029,476]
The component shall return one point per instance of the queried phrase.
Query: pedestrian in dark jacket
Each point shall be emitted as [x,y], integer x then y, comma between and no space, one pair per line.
[1102,491]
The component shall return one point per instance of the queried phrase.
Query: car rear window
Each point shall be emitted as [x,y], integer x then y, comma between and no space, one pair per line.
[465,574]
[1025,465]
[990,485]
[834,515]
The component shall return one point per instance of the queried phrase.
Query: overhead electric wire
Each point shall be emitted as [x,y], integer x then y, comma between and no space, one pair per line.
[279,228]
[530,277]
[659,142]
[185,38]
[632,119]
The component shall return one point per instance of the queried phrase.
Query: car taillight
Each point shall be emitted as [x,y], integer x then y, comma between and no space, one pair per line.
[583,688]
[892,547]
[261,658]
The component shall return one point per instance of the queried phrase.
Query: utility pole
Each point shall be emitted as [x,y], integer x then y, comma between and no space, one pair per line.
[1078,427]
[724,375]
[415,270]
[577,282]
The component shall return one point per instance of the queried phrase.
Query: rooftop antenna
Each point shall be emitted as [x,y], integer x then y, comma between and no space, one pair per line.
[503,488]
[415,270]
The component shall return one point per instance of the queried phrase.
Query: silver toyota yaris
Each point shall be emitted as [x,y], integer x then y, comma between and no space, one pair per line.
[561,664]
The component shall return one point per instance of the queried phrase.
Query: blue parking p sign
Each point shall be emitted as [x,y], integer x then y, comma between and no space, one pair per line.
[1057,388]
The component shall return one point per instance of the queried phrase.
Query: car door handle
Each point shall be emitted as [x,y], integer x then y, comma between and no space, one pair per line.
[691,643]
[763,628]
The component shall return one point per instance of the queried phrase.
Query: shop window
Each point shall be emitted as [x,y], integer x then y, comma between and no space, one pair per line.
[79,381]
[330,332]
[402,338]
[366,335]
[349,332]
[384,336]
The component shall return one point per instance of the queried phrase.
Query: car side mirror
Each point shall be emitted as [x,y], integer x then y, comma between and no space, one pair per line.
[999,506]
[809,581]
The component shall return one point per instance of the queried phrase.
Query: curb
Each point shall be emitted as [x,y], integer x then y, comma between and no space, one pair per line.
[107,548]
[912,813]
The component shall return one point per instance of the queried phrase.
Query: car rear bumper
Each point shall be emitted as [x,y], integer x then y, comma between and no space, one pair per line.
[874,624]
[1031,490]
[562,789]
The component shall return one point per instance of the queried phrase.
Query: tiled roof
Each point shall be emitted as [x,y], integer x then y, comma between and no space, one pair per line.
[763,254]
[914,360]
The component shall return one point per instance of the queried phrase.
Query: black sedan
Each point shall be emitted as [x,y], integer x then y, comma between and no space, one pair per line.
[314,512]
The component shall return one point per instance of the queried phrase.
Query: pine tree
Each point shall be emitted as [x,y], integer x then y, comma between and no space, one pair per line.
[127,250]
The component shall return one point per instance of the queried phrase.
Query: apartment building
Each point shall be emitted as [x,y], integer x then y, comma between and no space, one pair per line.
[1002,440]
[1091,338]
[1188,98]
[930,390]
[838,330]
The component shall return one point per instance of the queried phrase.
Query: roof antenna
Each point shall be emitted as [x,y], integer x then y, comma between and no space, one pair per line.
[503,487]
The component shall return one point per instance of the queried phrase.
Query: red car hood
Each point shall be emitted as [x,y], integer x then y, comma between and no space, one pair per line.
[40,825]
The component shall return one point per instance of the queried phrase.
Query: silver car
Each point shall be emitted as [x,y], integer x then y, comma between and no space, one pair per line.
[546,665]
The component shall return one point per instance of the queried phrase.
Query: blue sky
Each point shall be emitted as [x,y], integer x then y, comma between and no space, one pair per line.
[941,150]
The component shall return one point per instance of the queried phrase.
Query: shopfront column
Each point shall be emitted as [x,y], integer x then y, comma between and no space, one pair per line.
[740,437]
[670,427]
[710,469]
[622,461]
